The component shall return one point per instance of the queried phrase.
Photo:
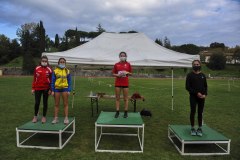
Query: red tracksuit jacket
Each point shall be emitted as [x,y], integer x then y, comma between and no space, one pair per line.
[42,78]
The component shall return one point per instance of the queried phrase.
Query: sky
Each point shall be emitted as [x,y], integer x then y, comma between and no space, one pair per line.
[199,22]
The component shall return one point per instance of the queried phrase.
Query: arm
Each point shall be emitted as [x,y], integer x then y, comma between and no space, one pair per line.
[188,85]
[114,72]
[33,82]
[204,94]
[50,78]
[129,73]
[53,83]
[205,86]
[69,79]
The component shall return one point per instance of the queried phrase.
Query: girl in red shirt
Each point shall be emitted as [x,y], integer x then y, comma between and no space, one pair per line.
[41,86]
[121,71]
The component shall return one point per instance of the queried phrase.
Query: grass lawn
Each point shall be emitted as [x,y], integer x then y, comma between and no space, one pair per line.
[221,113]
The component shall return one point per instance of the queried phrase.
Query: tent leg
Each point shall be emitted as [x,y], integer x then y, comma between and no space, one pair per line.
[172,88]
[74,82]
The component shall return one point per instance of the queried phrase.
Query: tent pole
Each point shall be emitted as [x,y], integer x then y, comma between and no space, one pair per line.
[74,82]
[172,89]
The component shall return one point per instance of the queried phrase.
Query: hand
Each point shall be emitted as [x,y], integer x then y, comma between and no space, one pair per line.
[122,73]
[52,93]
[68,93]
[33,91]
[49,92]
[199,95]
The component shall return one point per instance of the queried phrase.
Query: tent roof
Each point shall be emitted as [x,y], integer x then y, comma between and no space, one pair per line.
[141,51]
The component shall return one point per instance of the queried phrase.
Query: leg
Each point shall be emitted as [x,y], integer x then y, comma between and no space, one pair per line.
[45,105]
[193,104]
[65,103]
[45,102]
[38,95]
[117,93]
[125,95]
[57,102]
[200,115]
[200,111]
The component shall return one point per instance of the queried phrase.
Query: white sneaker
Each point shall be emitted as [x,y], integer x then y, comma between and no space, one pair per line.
[55,120]
[34,119]
[44,119]
[66,121]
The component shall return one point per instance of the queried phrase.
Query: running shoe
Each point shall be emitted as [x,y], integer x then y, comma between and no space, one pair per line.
[44,119]
[55,120]
[199,132]
[125,114]
[193,132]
[66,121]
[34,120]
[116,114]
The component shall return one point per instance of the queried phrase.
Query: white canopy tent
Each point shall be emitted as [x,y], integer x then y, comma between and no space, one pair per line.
[141,51]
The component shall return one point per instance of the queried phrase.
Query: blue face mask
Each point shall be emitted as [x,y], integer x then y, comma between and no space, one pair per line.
[61,66]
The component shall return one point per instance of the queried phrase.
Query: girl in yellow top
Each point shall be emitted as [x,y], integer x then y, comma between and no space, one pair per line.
[61,84]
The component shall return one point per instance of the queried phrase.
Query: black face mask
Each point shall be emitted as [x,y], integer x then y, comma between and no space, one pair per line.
[196,68]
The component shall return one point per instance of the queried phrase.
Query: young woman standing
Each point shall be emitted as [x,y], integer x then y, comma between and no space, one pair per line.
[61,86]
[121,71]
[41,86]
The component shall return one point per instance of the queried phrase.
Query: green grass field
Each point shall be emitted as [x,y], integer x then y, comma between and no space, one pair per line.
[221,113]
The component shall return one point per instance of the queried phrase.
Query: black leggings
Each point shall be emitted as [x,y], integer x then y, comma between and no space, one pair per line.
[38,95]
[194,101]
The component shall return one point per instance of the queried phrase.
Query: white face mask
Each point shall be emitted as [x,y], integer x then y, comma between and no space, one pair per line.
[44,64]
[123,58]
[61,66]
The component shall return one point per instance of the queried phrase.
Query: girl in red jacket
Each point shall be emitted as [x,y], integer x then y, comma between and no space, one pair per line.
[41,86]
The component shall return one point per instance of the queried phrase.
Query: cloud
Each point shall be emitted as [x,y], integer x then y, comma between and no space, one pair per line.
[182,21]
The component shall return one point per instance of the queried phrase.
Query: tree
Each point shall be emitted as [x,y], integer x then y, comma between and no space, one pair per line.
[167,43]
[41,38]
[132,32]
[28,62]
[77,38]
[15,49]
[217,45]
[100,29]
[32,30]
[189,49]
[217,61]
[93,34]
[159,41]
[236,55]
[49,43]
[4,49]
[64,44]
[83,35]
[56,43]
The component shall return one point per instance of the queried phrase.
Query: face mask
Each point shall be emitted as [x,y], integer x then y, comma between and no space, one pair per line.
[61,66]
[44,64]
[123,59]
[196,68]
